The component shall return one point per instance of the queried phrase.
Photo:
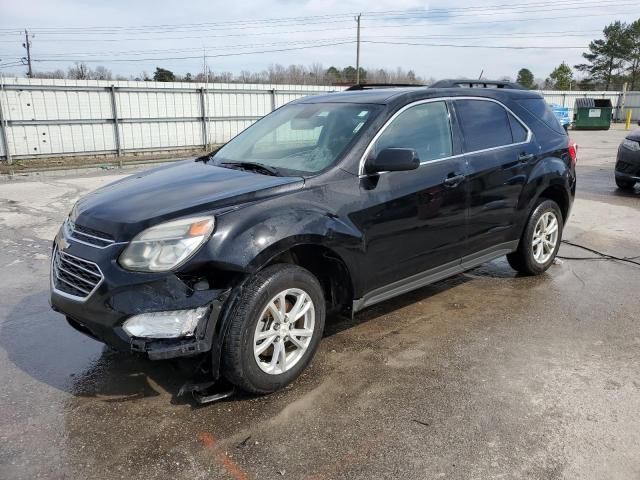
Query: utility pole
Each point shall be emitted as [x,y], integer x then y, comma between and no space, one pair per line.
[27,45]
[358,51]
[204,100]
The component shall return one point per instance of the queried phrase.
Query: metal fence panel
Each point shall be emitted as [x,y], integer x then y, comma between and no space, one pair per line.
[51,117]
[51,140]
[632,102]
[160,135]
[47,117]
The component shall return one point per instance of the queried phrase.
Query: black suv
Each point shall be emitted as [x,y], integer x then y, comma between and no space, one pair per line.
[330,203]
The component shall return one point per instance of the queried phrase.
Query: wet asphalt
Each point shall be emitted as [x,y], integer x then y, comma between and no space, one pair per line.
[485,375]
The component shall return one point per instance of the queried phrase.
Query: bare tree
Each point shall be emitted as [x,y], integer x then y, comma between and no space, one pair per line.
[80,71]
[53,74]
[102,73]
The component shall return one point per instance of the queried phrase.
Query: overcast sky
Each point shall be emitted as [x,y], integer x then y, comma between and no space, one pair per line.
[124,35]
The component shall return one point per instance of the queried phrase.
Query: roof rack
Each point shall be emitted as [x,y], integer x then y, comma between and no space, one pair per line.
[371,86]
[470,83]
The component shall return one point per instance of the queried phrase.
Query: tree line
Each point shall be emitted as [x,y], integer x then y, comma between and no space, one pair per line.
[314,74]
[609,63]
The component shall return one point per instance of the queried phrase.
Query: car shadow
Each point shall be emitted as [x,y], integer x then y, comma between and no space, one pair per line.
[40,343]
[635,193]
[339,322]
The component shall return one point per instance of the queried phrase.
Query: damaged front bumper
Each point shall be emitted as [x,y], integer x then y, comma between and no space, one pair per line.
[120,295]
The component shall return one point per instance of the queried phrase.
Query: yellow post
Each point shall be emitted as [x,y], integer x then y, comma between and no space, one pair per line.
[627,124]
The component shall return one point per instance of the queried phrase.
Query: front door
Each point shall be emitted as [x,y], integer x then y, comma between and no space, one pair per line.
[414,221]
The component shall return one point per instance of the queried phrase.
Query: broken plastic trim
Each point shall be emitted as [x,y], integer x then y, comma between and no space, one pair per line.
[208,392]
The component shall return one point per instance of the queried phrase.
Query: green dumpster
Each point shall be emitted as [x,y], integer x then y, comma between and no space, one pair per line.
[592,114]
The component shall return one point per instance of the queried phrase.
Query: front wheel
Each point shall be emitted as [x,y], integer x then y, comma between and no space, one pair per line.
[540,241]
[275,329]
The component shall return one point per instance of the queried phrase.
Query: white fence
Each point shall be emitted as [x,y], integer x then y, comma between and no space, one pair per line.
[51,118]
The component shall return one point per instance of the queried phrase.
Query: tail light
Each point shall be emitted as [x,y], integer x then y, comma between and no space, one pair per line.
[573,151]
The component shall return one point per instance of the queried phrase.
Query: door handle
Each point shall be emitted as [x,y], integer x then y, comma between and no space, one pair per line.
[453,180]
[525,157]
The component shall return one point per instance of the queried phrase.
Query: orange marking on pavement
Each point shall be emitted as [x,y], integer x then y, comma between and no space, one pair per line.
[210,442]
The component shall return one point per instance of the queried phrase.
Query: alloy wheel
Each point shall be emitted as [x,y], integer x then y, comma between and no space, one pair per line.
[545,237]
[284,331]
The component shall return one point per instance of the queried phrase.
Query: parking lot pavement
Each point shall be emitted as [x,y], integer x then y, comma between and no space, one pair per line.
[485,375]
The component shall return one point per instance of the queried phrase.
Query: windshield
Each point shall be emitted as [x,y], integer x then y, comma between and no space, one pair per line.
[299,139]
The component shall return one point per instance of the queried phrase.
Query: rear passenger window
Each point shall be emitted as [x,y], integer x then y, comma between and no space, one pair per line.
[484,124]
[539,109]
[518,132]
[425,128]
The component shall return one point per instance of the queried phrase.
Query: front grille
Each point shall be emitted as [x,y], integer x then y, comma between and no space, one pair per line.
[74,276]
[88,235]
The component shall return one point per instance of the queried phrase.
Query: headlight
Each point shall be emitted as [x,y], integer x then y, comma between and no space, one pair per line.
[632,145]
[168,245]
[178,323]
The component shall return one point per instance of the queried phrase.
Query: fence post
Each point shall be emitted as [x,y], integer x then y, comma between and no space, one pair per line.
[622,99]
[273,99]
[116,122]
[3,128]
[564,99]
[203,107]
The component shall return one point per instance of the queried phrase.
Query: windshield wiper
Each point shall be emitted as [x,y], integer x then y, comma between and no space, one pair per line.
[255,166]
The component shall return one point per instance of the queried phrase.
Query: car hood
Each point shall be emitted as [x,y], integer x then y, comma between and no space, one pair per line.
[124,208]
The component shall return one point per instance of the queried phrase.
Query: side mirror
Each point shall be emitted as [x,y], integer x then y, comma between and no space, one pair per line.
[393,160]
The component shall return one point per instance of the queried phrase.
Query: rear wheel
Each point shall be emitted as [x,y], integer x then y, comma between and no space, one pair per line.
[275,330]
[540,241]
[624,184]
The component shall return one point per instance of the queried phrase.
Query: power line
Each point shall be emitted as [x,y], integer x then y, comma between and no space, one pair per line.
[506,9]
[506,47]
[383,37]
[49,56]
[365,27]
[488,22]
[230,54]
[198,56]
[402,15]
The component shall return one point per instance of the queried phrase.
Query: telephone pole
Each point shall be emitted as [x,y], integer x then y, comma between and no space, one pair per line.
[358,51]
[27,45]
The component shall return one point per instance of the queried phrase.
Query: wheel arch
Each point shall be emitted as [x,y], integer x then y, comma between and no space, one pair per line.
[324,262]
[559,195]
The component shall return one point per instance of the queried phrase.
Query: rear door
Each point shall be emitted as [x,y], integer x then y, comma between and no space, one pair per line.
[499,154]
[414,221]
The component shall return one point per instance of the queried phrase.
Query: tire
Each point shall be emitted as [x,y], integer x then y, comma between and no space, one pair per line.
[528,258]
[258,313]
[624,184]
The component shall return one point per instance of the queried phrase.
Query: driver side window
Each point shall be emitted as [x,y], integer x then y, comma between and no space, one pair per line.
[424,128]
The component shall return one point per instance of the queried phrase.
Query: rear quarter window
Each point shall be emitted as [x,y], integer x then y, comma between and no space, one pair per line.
[541,110]
[517,130]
